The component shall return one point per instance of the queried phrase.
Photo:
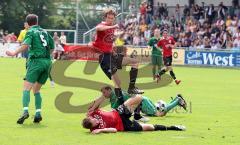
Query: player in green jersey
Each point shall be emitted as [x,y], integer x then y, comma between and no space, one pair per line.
[147,106]
[39,43]
[156,52]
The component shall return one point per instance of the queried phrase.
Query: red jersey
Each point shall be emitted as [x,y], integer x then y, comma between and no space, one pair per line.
[164,43]
[104,39]
[109,119]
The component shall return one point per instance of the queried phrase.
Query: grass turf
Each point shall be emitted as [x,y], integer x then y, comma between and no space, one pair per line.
[213,119]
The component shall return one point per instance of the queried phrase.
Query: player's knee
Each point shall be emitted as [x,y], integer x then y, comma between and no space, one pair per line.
[35,91]
[168,68]
[139,97]
[135,63]
[147,127]
[27,86]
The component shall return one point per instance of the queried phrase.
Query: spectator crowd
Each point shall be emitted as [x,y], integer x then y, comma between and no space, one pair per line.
[200,27]
[7,37]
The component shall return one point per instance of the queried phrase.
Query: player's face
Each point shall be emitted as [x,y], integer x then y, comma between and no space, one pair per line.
[157,33]
[110,19]
[94,121]
[106,93]
[165,34]
[26,26]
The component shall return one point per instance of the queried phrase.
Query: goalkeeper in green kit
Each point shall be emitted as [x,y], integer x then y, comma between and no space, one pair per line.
[156,53]
[39,43]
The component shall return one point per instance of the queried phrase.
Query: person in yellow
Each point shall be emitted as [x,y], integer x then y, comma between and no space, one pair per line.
[119,44]
[228,21]
[21,38]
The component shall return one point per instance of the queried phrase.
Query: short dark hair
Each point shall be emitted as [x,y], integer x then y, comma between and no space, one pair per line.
[86,123]
[165,30]
[32,19]
[106,88]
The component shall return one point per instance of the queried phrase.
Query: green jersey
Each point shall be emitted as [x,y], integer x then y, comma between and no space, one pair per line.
[39,42]
[114,99]
[153,43]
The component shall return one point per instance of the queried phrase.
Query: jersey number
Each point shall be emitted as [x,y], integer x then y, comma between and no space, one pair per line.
[44,42]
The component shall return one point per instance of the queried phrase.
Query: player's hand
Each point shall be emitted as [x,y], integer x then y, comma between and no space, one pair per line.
[96,131]
[170,46]
[116,26]
[9,53]
[90,111]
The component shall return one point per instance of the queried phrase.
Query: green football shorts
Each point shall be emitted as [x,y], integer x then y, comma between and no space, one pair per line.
[38,70]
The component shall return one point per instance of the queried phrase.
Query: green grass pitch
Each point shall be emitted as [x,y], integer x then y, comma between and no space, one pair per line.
[214,118]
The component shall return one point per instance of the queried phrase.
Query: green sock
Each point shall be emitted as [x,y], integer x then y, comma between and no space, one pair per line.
[25,100]
[38,103]
[173,100]
[172,104]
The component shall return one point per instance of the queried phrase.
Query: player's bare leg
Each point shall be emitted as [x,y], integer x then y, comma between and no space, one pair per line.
[38,102]
[27,86]
[173,75]
[163,71]
[132,89]
[166,69]
[135,101]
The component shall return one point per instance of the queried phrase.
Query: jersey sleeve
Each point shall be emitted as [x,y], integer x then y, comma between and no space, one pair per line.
[150,43]
[159,44]
[28,38]
[50,42]
[114,101]
[173,41]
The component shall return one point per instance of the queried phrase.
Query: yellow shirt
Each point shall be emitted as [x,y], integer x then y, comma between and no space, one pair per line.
[22,35]
[143,28]
[119,42]
[228,22]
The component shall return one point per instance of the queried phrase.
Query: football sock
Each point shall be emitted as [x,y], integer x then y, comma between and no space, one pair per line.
[133,77]
[164,128]
[25,100]
[38,103]
[173,100]
[137,115]
[171,105]
[119,95]
[163,71]
[172,75]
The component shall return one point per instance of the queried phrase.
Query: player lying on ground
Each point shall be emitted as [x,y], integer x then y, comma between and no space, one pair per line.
[39,43]
[156,53]
[110,61]
[167,43]
[100,121]
[147,106]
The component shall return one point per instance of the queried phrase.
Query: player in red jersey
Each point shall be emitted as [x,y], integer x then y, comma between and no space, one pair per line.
[119,120]
[167,43]
[110,61]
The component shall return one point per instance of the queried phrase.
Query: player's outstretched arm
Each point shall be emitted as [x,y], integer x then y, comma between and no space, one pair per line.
[96,103]
[103,27]
[104,130]
[21,49]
